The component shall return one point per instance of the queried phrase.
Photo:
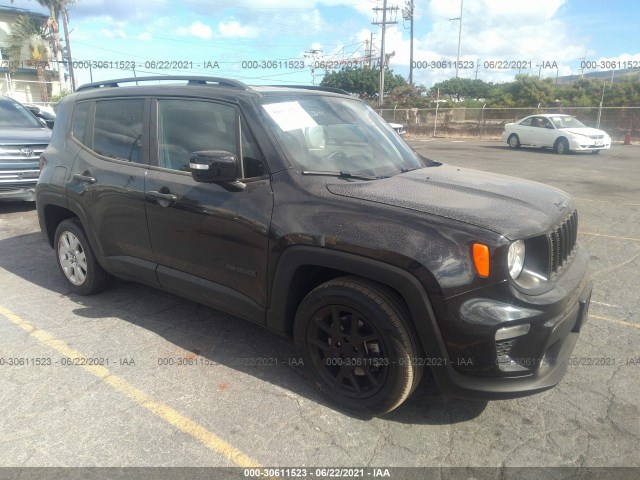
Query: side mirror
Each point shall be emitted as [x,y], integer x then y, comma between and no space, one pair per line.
[216,166]
[49,124]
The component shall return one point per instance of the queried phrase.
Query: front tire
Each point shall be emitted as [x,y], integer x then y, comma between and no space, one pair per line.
[513,141]
[76,260]
[562,146]
[356,339]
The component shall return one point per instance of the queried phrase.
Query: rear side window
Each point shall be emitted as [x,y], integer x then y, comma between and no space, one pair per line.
[117,129]
[79,125]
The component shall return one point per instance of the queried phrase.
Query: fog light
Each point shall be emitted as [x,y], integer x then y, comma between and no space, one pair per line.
[512,332]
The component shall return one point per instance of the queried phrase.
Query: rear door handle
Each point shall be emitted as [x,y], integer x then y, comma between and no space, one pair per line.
[85,178]
[166,197]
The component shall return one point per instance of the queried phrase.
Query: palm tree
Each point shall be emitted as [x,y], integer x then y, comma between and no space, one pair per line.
[28,43]
[55,7]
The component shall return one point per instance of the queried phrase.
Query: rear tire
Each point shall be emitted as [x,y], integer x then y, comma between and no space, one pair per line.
[356,339]
[562,146]
[76,260]
[513,141]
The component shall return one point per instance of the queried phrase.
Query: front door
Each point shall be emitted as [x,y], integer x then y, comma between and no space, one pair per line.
[210,243]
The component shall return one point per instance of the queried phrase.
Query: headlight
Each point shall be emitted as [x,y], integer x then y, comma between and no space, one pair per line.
[515,258]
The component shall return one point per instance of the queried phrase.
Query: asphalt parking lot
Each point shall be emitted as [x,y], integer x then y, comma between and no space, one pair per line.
[221,407]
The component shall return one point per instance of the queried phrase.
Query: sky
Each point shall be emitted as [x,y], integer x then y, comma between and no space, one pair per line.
[279,41]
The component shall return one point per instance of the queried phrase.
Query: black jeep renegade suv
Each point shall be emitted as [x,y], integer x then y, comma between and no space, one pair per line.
[300,209]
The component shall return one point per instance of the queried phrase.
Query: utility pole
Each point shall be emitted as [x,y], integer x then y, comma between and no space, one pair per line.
[383,25]
[408,15]
[312,54]
[584,59]
[65,20]
[477,68]
[459,37]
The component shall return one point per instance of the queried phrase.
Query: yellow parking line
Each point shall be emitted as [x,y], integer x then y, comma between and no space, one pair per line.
[613,320]
[633,239]
[168,414]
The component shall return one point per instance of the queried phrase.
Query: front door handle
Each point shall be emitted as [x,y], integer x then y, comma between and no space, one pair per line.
[85,178]
[165,198]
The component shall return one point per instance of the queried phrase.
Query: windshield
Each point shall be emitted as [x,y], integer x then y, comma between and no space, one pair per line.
[333,134]
[567,122]
[14,115]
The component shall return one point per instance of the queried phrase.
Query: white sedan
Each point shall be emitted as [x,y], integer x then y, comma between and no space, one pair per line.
[560,132]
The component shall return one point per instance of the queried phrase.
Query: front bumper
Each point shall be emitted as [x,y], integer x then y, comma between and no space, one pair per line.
[484,365]
[19,183]
[587,144]
[26,193]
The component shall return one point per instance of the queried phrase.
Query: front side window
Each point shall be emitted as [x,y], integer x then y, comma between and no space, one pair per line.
[323,133]
[117,131]
[187,126]
[526,122]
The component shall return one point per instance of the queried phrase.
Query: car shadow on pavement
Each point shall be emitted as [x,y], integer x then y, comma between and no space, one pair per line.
[200,331]
[534,150]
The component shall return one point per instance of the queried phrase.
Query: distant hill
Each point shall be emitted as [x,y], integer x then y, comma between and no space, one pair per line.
[618,76]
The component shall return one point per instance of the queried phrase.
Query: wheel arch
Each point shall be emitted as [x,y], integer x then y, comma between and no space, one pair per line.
[302,268]
[562,138]
[53,215]
[53,209]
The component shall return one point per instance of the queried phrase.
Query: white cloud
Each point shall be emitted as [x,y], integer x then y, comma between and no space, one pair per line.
[113,33]
[233,28]
[144,36]
[196,29]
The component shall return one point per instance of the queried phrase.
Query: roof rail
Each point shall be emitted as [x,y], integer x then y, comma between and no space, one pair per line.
[315,87]
[223,82]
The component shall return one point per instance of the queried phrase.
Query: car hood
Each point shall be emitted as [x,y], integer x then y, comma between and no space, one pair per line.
[509,206]
[24,136]
[584,131]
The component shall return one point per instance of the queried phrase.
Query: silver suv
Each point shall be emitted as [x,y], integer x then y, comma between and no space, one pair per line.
[22,139]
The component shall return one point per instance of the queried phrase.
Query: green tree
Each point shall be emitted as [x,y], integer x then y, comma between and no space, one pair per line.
[460,89]
[412,96]
[28,42]
[362,81]
[525,91]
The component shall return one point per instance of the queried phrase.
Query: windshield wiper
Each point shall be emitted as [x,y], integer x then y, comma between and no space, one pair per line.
[340,174]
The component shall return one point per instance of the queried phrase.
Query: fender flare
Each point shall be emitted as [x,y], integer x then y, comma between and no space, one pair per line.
[407,286]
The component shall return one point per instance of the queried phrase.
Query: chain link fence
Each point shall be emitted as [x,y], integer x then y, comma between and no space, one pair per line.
[488,123]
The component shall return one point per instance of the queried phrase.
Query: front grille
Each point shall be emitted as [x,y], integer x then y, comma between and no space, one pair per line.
[21,152]
[503,348]
[562,243]
[596,137]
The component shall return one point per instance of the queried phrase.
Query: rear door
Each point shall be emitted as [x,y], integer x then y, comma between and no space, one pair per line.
[210,243]
[107,183]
